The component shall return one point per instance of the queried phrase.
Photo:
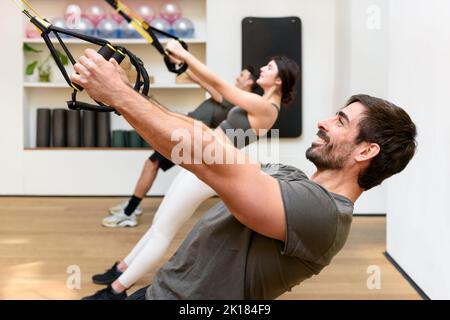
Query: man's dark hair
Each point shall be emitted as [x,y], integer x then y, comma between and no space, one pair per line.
[392,129]
[254,75]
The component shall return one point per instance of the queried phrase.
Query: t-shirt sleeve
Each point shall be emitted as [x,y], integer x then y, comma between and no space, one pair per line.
[311,219]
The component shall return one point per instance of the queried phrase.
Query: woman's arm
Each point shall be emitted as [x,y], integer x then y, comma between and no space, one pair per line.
[252,103]
[213,92]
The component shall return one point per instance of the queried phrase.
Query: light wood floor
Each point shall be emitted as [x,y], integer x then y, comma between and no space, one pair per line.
[41,238]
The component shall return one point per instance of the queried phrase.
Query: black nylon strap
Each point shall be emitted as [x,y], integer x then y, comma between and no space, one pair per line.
[172,67]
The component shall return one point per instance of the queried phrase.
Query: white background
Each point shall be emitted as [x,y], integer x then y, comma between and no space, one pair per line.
[418,234]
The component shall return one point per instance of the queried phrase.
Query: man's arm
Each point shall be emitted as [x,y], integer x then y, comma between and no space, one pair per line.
[252,197]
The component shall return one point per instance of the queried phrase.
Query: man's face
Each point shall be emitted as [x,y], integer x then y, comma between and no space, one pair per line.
[335,146]
[244,79]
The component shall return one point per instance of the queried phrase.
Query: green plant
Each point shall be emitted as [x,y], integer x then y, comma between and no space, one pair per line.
[44,68]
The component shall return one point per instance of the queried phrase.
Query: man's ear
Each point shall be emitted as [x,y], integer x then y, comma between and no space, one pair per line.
[250,82]
[368,151]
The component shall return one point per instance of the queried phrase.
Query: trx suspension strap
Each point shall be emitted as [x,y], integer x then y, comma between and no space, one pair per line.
[148,32]
[107,50]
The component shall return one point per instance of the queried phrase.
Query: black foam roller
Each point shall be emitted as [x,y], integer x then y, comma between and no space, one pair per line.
[59,125]
[134,140]
[119,138]
[74,128]
[103,129]
[43,126]
[89,124]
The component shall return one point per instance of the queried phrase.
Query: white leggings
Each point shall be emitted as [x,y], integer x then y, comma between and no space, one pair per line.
[185,195]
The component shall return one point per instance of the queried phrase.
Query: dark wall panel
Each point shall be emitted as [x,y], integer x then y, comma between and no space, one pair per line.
[263,38]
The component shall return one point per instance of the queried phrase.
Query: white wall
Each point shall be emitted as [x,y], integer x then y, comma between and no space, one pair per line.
[362,67]
[10,116]
[418,223]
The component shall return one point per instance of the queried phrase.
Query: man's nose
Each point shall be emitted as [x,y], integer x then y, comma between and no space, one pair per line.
[323,125]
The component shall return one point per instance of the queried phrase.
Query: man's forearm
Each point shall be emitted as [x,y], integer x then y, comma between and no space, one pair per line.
[188,120]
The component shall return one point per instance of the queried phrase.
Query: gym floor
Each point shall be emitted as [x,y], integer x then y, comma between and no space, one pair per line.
[43,242]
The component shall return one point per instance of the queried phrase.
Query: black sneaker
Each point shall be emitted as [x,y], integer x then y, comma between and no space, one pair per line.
[108,277]
[106,294]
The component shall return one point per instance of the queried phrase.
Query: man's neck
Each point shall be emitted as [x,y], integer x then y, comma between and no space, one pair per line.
[339,182]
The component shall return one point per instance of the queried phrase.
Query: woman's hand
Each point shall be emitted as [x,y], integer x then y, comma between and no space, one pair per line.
[176,51]
[100,78]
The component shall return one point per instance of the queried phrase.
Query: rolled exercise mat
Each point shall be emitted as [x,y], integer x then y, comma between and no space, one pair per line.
[59,125]
[88,135]
[74,128]
[43,126]
[284,34]
[104,129]
[119,139]
[134,140]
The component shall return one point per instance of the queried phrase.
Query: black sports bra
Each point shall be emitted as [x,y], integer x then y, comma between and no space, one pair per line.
[238,128]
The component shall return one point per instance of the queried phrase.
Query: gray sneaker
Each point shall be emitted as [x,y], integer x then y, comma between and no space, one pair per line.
[120,220]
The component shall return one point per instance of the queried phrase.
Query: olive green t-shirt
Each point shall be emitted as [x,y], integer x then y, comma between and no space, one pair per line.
[223,259]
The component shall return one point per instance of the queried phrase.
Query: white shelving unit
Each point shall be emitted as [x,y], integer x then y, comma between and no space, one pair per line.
[113,41]
[90,171]
[176,96]
[63,85]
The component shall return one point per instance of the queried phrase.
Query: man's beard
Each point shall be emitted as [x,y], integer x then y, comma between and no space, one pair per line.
[328,156]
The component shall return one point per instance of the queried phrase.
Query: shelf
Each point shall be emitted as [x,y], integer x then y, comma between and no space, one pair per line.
[87,149]
[180,97]
[112,41]
[63,85]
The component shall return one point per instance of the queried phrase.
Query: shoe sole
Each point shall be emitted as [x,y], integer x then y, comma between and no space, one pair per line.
[124,224]
[104,283]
